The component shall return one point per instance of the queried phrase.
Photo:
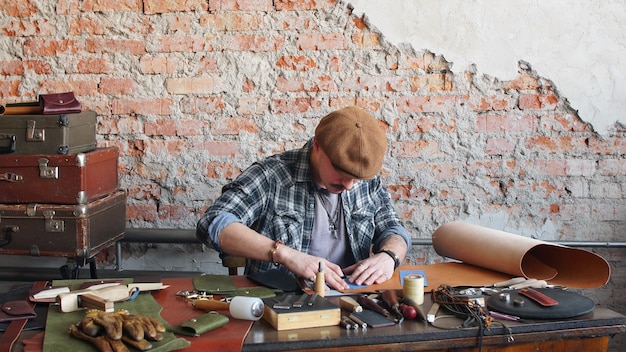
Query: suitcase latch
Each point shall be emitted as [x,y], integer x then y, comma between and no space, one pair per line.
[34,134]
[46,171]
[52,225]
[11,177]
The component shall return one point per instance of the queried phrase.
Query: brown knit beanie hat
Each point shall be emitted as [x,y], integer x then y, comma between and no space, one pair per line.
[354,142]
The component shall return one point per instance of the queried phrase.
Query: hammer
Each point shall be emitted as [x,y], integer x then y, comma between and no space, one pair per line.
[239,307]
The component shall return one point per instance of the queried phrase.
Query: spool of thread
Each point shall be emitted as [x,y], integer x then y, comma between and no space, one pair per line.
[413,288]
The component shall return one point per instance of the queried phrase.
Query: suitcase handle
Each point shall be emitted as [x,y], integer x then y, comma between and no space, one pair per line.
[11,148]
[8,235]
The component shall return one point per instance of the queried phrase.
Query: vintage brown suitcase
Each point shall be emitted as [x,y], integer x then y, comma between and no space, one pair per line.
[72,231]
[48,134]
[59,179]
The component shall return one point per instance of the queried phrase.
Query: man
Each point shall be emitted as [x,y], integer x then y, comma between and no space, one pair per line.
[323,203]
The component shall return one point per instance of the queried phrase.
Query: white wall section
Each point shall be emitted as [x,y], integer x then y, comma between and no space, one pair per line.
[579,45]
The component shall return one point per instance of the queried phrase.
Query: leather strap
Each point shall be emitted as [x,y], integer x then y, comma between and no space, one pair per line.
[13,332]
[538,297]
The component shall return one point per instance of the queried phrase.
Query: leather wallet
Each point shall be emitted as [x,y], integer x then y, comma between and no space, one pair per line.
[14,310]
[59,103]
[201,324]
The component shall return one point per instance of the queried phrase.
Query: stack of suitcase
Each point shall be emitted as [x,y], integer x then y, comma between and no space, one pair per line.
[59,193]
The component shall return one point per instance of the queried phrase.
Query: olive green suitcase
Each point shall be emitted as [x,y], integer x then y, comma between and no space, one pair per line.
[48,134]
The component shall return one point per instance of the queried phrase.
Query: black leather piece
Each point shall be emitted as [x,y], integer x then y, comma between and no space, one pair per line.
[21,293]
[276,278]
[570,304]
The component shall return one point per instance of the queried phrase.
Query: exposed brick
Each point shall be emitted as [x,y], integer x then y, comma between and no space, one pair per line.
[366,40]
[9,88]
[112,5]
[507,123]
[234,125]
[145,212]
[321,41]
[165,6]
[283,5]
[145,191]
[375,83]
[252,43]
[232,21]
[11,68]
[499,146]
[25,8]
[158,64]
[118,86]
[87,26]
[296,63]
[26,28]
[297,105]
[524,82]
[218,148]
[252,105]
[408,104]
[538,101]
[200,85]
[143,106]
[93,66]
[193,105]
[220,170]
[50,47]
[425,150]
[241,5]
[612,167]
[183,43]
[126,46]
[79,87]
[186,128]
[175,212]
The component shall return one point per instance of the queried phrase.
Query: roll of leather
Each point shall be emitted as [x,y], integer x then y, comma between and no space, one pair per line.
[520,256]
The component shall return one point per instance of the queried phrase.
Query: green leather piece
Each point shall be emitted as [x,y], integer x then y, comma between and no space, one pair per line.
[258,291]
[57,338]
[201,324]
[214,284]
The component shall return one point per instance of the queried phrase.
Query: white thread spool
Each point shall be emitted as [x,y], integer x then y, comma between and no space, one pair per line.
[413,288]
[246,308]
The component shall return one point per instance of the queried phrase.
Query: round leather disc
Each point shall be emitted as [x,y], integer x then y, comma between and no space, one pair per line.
[570,304]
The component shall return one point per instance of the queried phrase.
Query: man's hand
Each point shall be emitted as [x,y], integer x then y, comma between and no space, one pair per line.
[306,266]
[373,270]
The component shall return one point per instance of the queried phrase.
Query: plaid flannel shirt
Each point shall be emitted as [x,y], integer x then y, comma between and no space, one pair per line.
[275,197]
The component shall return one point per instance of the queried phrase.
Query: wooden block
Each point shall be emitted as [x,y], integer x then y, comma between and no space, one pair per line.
[320,313]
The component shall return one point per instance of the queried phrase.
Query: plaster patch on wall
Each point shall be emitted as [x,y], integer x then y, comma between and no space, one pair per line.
[579,45]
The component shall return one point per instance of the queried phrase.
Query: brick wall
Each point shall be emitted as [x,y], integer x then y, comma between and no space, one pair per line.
[194,91]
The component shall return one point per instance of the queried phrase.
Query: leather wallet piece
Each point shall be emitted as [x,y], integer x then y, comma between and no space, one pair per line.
[214,284]
[276,278]
[59,103]
[14,310]
[201,324]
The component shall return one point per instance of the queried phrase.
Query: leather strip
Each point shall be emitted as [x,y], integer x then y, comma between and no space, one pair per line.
[13,332]
[538,297]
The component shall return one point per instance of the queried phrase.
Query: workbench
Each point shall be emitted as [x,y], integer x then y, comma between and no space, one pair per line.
[589,332]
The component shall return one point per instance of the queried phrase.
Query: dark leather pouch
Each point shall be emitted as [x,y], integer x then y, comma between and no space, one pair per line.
[201,324]
[14,310]
[59,103]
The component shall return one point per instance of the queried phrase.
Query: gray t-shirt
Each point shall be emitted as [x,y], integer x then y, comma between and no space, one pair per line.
[329,238]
